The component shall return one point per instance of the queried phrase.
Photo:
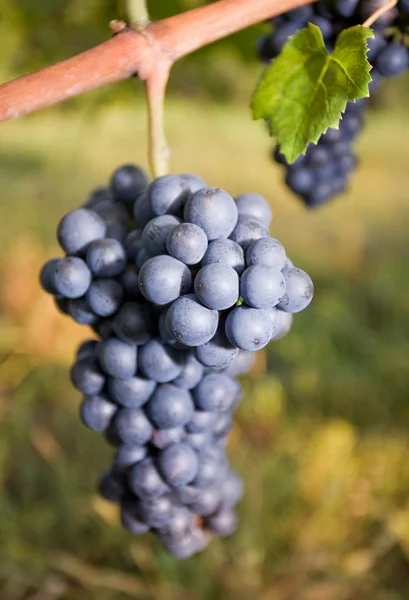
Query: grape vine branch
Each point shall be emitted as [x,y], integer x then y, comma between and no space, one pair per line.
[149,54]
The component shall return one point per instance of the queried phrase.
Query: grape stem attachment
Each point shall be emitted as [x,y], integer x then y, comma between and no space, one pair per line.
[378,13]
[159,152]
[137,12]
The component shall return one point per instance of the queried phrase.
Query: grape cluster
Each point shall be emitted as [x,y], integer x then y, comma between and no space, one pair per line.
[324,171]
[182,284]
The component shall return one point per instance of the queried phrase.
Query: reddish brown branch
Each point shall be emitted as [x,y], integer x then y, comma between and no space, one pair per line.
[130,53]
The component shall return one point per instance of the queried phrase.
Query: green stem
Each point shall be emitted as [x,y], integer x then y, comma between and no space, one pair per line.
[378,13]
[137,12]
[158,147]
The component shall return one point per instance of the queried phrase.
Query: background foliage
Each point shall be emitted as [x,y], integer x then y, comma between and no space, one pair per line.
[321,439]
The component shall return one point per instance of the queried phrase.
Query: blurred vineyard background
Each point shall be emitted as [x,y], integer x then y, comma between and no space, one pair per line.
[322,436]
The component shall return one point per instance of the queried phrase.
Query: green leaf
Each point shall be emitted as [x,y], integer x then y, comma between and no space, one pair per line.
[305,90]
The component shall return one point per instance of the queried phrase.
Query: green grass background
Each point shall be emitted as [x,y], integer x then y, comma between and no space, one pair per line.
[321,438]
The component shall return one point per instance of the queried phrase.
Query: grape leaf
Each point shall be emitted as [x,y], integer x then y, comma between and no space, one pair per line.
[305,90]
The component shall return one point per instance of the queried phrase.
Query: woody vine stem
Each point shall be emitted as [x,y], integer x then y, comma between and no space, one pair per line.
[147,50]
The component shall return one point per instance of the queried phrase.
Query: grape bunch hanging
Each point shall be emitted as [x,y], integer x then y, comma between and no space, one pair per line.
[182,284]
[324,171]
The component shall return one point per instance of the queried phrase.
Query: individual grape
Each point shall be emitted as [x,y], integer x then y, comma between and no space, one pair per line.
[247,231]
[231,489]
[223,425]
[393,60]
[267,252]
[96,412]
[213,210]
[47,276]
[299,291]
[226,252]
[142,210]
[128,182]
[145,481]
[281,322]
[188,546]
[201,422]
[190,375]
[223,523]
[164,333]
[180,524]
[103,328]
[316,155]
[346,8]
[81,312]
[131,393]
[99,194]
[190,322]
[351,124]
[300,179]
[193,183]
[217,392]
[157,512]
[104,296]
[207,502]
[281,159]
[262,287]
[129,282]
[72,277]
[198,441]
[111,487]
[133,243]
[61,304]
[111,212]
[155,233]
[106,258]
[162,279]
[167,195]
[162,438]
[131,426]
[126,456]
[116,231]
[186,494]
[218,455]
[117,358]
[87,377]
[178,464]
[321,193]
[217,353]
[248,328]
[188,243]
[133,323]
[331,136]
[141,258]
[170,407]
[86,349]
[160,362]
[210,472]
[242,362]
[217,286]
[78,229]
[131,522]
[255,208]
